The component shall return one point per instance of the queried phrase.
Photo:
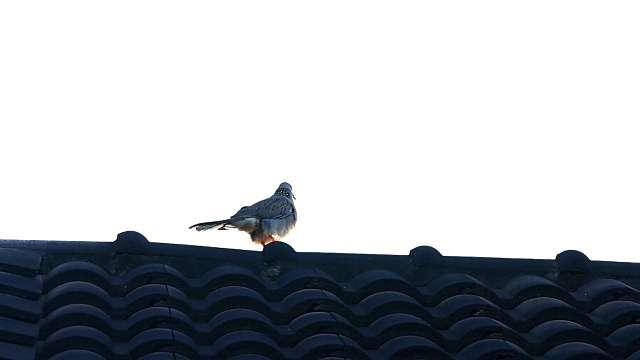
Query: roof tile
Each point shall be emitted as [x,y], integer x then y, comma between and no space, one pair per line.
[137,299]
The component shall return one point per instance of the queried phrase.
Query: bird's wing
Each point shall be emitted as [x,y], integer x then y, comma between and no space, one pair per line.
[275,207]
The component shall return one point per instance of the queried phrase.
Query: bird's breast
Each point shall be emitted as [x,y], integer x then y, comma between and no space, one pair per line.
[279,227]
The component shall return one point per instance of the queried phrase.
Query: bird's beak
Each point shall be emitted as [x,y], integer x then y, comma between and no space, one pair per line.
[294,197]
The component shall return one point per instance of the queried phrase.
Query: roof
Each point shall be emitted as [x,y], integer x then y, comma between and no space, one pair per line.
[136,299]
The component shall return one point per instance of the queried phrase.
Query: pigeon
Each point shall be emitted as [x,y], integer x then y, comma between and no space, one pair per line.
[266,221]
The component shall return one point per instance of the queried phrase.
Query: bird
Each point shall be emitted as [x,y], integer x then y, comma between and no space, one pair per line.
[266,221]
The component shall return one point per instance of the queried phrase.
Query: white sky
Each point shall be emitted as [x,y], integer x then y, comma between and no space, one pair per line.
[481,128]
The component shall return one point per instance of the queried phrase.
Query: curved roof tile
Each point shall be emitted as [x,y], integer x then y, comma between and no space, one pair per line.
[138,299]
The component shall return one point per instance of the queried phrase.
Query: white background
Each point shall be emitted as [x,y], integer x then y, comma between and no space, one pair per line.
[481,128]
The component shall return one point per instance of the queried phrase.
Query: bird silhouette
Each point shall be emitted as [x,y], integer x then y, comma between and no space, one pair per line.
[267,220]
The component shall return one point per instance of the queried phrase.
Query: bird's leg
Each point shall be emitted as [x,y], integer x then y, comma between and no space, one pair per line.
[268,240]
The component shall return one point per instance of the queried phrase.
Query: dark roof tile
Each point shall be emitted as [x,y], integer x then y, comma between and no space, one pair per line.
[616,314]
[243,343]
[460,307]
[137,299]
[85,355]
[597,292]
[445,286]
[525,287]
[24,263]
[79,292]
[493,349]
[18,332]
[157,340]
[556,332]
[627,337]
[76,315]
[576,351]
[76,337]
[22,286]
[572,261]
[395,325]
[473,329]
[257,357]
[19,308]
[542,309]
[312,323]
[412,347]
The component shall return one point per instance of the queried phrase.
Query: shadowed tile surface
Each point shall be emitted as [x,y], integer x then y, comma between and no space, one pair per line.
[135,299]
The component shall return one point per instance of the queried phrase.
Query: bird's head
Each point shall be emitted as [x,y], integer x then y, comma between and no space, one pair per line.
[285,190]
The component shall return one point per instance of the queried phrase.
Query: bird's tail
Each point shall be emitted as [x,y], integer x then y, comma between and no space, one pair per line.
[212,225]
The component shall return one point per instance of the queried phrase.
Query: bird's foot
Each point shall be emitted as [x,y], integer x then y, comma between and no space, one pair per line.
[268,240]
